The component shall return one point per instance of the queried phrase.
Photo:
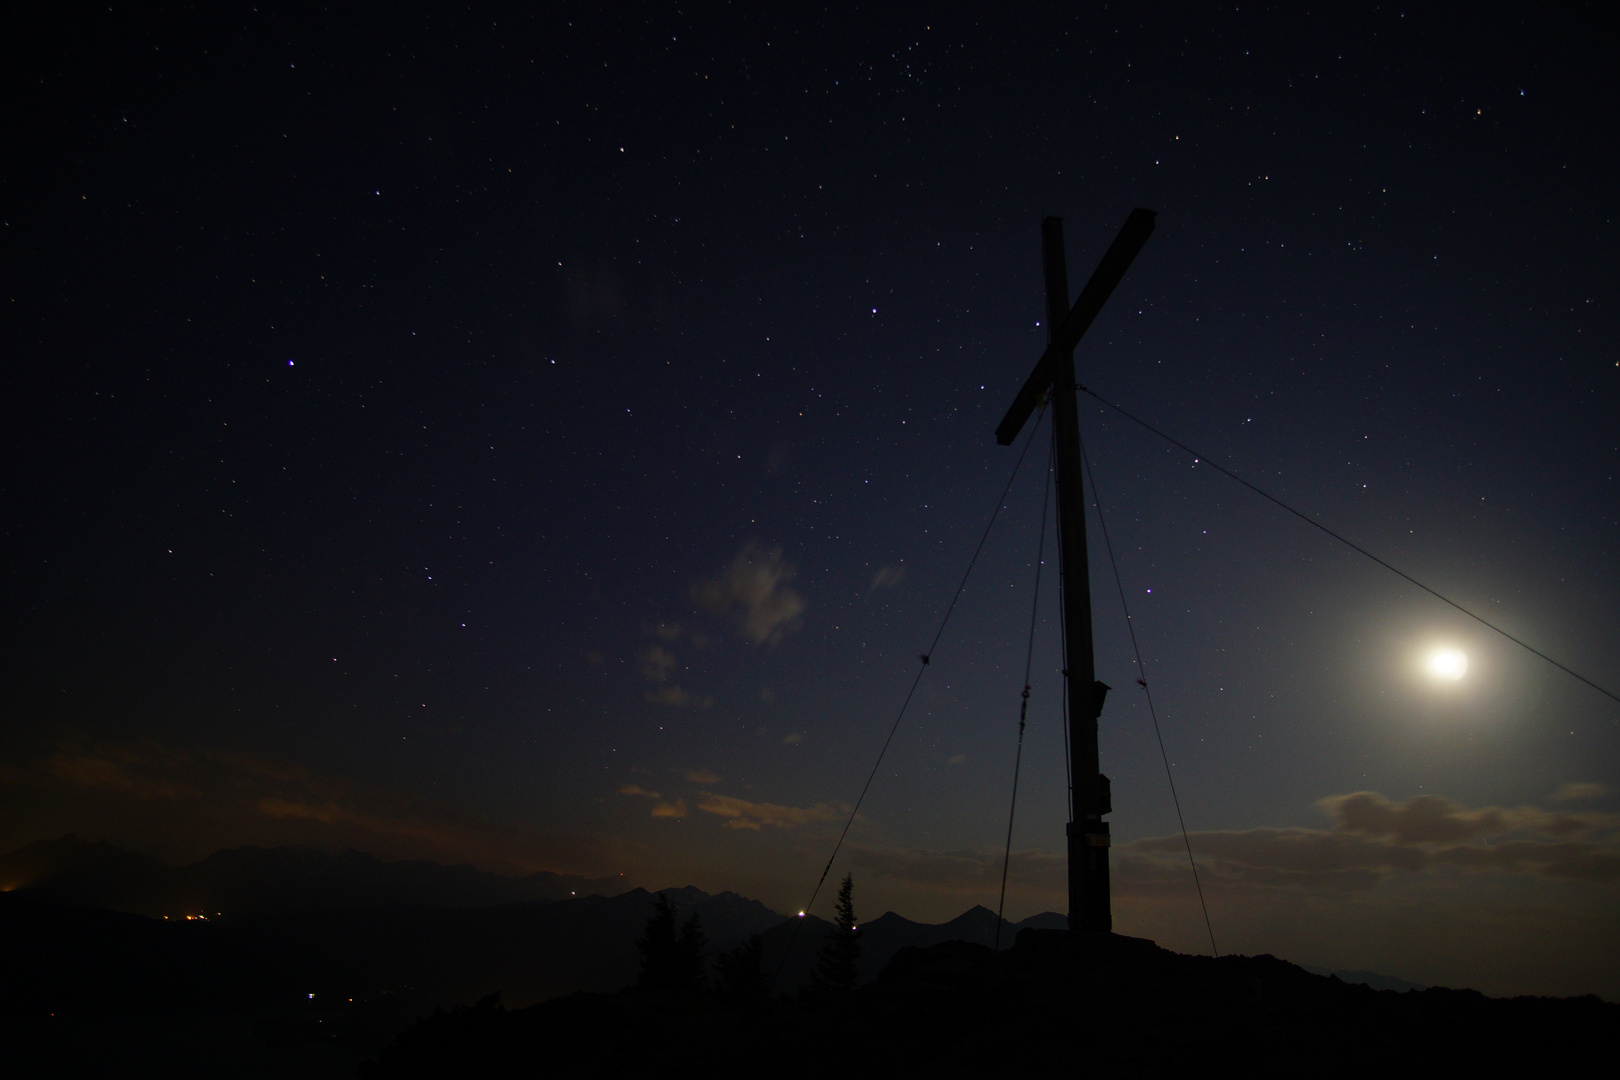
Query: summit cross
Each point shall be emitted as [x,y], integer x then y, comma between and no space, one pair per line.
[1089,795]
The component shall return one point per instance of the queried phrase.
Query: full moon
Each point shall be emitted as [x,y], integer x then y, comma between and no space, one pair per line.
[1448,664]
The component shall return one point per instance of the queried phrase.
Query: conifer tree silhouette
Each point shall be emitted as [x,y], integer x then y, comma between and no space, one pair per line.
[741,973]
[835,972]
[689,975]
[657,946]
[671,961]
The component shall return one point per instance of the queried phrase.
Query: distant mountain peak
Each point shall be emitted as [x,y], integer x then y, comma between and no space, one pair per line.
[69,869]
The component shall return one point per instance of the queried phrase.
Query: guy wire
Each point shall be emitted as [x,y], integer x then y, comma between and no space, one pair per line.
[1152,711]
[1264,494]
[1023,708]
[924,657]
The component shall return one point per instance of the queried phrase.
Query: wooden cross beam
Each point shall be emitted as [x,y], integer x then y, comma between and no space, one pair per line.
[1077,320]
[1089,907]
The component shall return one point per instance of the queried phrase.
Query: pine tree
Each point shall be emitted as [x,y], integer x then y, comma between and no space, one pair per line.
[742,973]
[836,972]
[671,961]
[658,946]
[689,974]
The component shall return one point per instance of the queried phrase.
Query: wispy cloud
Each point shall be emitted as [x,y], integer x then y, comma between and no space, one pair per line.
[638,790]
[1373,838]
[1431,819]
[222,797]
[1579,792]
[677,696]
[676,809]
[743,814]
[888,577]
[753,590]
[656,663]
[702,776]
[142,770]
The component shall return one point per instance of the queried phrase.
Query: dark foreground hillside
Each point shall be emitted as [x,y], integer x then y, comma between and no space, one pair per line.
[1098,1007]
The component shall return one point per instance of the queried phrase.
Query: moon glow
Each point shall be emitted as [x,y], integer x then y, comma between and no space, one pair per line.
[1448,664]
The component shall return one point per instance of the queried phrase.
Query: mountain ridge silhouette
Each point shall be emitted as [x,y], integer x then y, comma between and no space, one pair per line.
[345,983]
[69,870]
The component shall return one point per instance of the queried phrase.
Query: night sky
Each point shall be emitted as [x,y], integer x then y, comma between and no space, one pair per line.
[548,441]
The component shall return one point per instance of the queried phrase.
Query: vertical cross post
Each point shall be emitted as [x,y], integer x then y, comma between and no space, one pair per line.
[1089,907]
[1054,374]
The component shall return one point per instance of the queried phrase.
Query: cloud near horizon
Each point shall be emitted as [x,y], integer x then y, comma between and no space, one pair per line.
[225,799]
[1372,838]
[753,591]
[1579,792]
[673,808]
[743,814]
[142,770]
[676,809]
